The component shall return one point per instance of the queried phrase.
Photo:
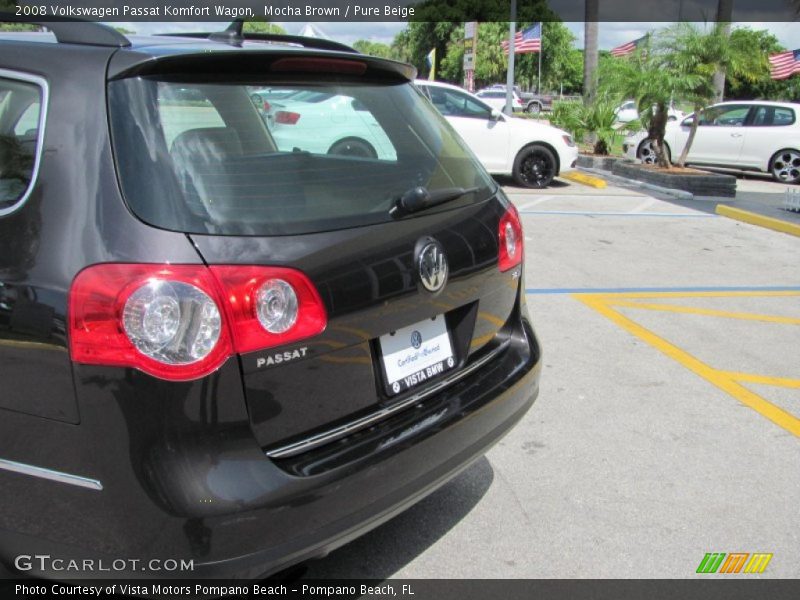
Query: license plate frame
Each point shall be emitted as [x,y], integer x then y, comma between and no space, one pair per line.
[416,354]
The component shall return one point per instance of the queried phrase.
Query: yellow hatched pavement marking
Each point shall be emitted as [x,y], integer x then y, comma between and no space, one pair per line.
[762,379]
[706,312]
[602,303]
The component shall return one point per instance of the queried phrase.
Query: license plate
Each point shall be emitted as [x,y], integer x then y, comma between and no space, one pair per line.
[415,354]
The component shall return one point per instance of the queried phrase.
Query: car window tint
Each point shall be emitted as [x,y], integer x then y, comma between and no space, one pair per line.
[295,167]
[295,123]
[182,109]
[455,104]
[724,116]
[20,111]
[783,116]
[768,116]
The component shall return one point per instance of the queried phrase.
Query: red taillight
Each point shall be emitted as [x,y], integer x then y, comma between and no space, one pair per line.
[266,106]
[287,118]
[102,320]
[518,101]
[182,322]
[243,286]
[511,240]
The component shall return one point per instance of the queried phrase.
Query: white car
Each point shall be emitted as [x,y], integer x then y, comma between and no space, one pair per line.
[627,112]
[325,123]
[496,98]
[746,135]
[533,153]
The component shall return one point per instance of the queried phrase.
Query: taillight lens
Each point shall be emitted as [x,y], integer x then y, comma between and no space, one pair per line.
[163,320]
[286,118]
[511,239]
[266,106]
[270,306]
[182,322]
[172,322]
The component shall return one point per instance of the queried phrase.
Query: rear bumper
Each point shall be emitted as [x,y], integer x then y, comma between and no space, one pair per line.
[222,504]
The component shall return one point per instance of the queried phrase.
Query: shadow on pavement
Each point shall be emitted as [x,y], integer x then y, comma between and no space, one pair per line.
[508,182]
[384,551]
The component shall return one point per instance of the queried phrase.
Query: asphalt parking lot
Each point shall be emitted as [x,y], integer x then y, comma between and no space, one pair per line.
[668,423]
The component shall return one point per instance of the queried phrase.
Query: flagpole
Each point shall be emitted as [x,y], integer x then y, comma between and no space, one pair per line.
[541,44]
[512,27]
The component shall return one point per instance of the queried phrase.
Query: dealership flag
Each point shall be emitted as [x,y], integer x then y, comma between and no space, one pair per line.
[628,48]
[785,64]
[526,41]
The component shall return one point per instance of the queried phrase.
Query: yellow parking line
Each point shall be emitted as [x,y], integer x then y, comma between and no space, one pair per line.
[755,219]
[718,294]
[585,179]
[763,379]
[707,312]
[718,378]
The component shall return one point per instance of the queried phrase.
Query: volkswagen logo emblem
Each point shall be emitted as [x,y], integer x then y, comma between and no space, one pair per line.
[432,267]
[416,339]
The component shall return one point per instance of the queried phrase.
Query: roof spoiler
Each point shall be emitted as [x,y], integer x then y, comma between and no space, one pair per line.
[235,35]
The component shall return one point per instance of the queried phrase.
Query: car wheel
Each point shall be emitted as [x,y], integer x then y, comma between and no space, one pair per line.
[785,166]
[534,108]
[534,167]
[353,147]
[647,153]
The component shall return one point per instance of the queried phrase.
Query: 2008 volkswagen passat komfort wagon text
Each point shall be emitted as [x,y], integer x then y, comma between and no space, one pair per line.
[226,344]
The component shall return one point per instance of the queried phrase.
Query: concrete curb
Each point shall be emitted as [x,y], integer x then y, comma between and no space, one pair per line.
[681,194]
[755,219]
[584,178]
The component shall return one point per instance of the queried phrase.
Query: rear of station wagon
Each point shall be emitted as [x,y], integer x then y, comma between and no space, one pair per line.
[221,342]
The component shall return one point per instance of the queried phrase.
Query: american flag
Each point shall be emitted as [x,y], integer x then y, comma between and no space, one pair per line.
[526,41]
[785,64]
[628,48]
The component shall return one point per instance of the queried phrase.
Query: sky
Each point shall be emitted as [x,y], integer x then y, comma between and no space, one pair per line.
[611,34]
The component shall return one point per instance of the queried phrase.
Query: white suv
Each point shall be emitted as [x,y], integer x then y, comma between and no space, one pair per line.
[533,153]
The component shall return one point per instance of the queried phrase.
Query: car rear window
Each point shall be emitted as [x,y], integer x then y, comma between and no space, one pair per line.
[20,111]
[285,158]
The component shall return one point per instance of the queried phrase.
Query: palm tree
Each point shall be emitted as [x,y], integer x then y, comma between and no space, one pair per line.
[724,15]
[590,51]
[699,55]
[647,79]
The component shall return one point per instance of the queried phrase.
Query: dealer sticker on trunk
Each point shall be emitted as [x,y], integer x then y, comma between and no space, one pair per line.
[415,354]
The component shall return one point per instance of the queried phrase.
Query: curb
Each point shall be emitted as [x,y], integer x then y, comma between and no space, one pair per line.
[680,194]
[755,219]
[584,178]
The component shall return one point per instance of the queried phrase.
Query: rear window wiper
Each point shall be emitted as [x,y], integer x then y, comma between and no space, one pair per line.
[419,198]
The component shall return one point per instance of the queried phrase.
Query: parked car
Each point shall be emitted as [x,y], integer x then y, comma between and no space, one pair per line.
[322,121]
[532,103]
[533,153]
[627,112]
[747,135]
[497,99]
[263,97]
[218,348]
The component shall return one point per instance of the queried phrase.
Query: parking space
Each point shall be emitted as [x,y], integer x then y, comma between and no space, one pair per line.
[668,423]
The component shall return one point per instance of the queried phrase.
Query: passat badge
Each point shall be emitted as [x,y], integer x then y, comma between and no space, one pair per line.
[432,265]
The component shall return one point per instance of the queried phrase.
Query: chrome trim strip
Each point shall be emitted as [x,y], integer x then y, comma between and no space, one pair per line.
[339,432]
[42,473]
[37,161]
